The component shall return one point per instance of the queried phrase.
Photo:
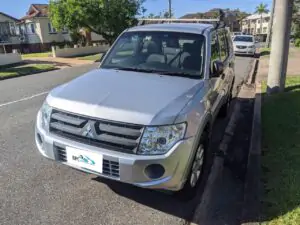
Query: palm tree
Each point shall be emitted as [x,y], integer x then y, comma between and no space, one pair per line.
[261,9]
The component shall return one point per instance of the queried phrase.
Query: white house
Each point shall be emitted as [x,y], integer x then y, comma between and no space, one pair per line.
[252,24]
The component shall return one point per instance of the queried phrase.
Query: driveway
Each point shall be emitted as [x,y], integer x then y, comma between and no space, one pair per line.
[34,190]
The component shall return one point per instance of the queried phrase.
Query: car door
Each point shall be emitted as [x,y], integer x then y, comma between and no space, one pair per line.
[219,84]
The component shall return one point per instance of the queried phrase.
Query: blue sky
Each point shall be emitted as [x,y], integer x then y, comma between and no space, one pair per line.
[18,8]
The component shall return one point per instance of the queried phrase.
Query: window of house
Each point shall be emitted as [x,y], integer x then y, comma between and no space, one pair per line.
[12,28]
[223,44]
[258,30]
[258,21]
[265,30]
[51,29]
[65,30]
[32,28]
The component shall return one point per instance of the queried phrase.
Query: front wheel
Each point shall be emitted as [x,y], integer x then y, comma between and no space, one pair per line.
[197,169]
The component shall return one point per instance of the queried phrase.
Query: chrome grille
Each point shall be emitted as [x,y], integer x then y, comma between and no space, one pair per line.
[241,47]
[110,168]
[106,134]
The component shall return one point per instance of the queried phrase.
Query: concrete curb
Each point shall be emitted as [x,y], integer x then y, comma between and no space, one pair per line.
[251,207]
[218,163]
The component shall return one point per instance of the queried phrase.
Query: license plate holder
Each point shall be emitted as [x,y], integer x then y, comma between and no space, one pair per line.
[84,159]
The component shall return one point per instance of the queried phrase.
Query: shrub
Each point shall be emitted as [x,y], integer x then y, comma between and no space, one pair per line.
[297,42]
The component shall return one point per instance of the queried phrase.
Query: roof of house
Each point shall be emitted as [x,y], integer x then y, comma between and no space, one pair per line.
[8,16]
[36,10]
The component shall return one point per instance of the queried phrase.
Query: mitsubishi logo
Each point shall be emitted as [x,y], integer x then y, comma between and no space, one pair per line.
[88,132]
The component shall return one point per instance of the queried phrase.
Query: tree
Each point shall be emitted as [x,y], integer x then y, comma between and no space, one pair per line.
[105,17]
[261,9]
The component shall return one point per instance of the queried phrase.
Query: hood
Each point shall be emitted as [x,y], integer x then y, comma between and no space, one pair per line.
[243,43]
[124,96]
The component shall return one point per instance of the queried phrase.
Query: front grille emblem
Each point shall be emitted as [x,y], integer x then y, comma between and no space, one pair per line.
[88,131]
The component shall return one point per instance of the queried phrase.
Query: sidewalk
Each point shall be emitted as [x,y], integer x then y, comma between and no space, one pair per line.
[58,62]
[293,64]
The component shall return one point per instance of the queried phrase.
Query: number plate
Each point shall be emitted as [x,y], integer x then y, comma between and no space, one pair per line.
[84,159]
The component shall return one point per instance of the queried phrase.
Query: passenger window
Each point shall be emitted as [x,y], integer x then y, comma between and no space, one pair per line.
[214,47]
[223,45]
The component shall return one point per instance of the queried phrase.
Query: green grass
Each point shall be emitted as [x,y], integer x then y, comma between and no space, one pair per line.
[265,51]
[25,70]
[281,155]
[90,57]
[41,54]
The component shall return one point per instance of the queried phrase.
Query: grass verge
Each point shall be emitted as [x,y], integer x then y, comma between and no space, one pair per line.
[90,57]
[33,55]
[281,155]
[25,70]
[265,51]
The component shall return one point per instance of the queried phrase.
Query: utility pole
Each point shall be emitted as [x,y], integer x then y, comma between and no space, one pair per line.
[170,8]
[280,45]
[269,36]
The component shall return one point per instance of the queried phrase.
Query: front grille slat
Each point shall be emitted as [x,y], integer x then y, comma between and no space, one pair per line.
[68,119]
[119,130]
[106,134]
[65,128]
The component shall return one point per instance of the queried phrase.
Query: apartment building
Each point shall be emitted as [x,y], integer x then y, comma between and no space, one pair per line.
[9,33]
[252,25]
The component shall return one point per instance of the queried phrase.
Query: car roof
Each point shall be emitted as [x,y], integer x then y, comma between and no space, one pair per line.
[196,28]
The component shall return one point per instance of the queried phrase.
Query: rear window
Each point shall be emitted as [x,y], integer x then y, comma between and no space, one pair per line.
[243,38]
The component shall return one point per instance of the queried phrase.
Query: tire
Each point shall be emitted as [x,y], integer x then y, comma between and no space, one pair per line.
[195,177]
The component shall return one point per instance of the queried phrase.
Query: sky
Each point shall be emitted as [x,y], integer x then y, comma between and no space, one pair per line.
[18,8]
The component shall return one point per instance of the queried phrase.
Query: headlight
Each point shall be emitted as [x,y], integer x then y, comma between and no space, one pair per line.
[160,139]
[45,114]
[251,46]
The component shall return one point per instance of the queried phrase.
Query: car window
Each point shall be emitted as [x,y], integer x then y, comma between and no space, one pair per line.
[158,51]
[243,38]
[223,44]
[215,54]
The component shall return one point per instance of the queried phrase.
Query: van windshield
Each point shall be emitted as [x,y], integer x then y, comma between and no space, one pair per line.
[169,53]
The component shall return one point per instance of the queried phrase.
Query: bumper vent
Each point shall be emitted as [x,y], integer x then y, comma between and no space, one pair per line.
[106,134]
[110,168]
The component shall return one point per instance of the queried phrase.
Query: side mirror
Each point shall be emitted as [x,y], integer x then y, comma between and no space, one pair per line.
[217,68]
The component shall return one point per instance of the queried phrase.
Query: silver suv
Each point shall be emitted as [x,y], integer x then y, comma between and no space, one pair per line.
[144,117]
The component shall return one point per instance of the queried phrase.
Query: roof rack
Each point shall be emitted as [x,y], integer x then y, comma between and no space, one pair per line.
[218,23]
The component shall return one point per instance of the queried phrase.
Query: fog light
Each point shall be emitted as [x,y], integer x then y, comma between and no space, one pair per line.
[155,171]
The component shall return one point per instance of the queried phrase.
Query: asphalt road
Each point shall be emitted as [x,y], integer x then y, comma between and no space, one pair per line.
[34,190]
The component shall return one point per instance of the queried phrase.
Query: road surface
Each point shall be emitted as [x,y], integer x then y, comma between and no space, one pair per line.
[34,190]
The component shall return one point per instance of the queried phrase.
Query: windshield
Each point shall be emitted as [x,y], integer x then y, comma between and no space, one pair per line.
[169,53]
[243,38]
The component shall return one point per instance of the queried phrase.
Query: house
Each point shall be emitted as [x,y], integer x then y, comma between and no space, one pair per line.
[37,32]
[9,33]
[252,25]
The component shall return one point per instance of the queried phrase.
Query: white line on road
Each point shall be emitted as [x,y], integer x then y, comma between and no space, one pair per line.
[23,99]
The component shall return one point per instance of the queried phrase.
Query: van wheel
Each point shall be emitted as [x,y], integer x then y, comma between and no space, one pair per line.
[189,190]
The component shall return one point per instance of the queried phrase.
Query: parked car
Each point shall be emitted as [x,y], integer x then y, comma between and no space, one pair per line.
[145,116]
[244,45]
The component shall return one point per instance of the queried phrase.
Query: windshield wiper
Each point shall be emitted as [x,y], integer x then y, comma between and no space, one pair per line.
[180,74]
[136,69]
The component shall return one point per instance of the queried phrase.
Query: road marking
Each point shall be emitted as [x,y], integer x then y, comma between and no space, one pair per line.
[23,99]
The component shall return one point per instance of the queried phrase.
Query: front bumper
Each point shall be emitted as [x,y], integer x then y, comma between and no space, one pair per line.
[245,51]
[131,167]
